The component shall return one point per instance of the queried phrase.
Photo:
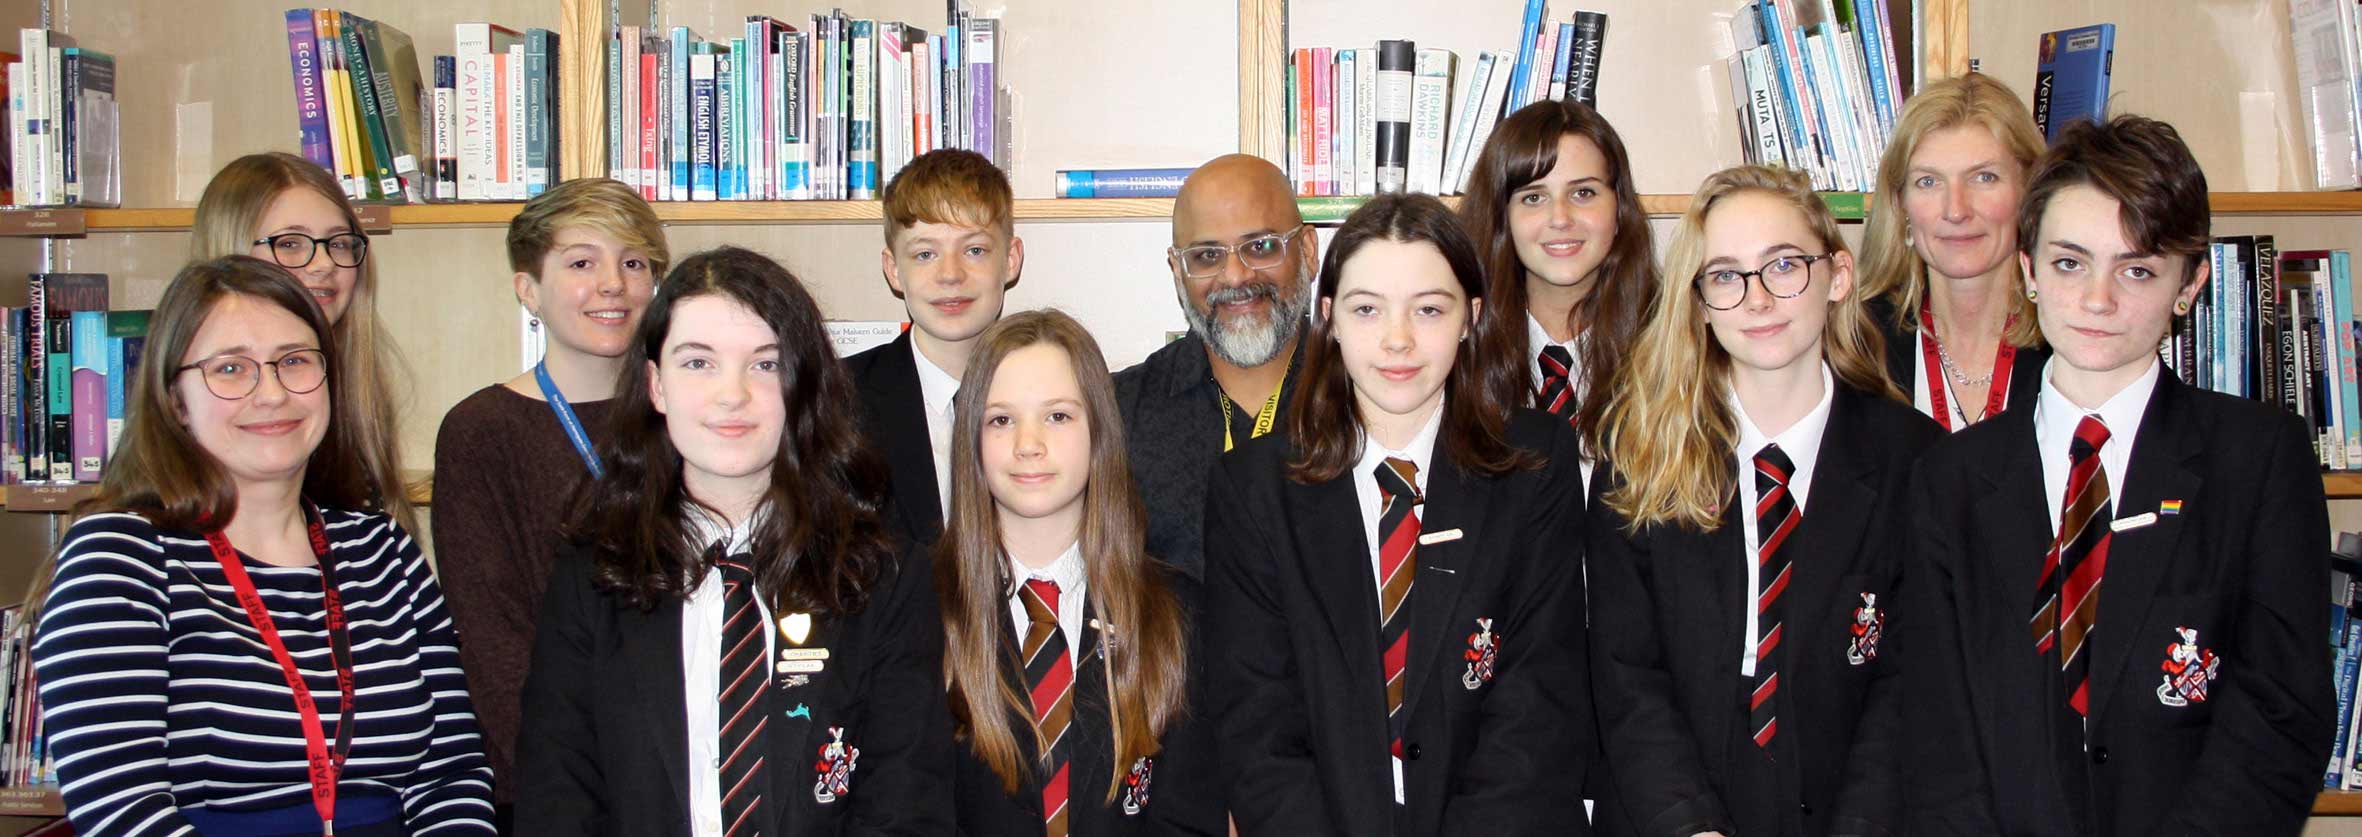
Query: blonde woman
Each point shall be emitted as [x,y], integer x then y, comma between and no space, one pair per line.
[1743,555]
[1961,339]
[282,208]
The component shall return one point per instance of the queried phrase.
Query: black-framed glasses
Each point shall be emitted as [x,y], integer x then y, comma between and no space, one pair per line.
[232,377]
[1202,261]
[1784,277]
[296,249]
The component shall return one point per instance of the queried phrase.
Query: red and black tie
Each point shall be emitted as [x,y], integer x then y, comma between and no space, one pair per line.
[1398,563]
[2067,609]
[745,745]
[1776,517]
[1558,382]
[1049,677]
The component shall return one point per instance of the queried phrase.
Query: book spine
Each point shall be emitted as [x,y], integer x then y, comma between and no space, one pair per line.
[1396,60]
[36,381]
[339,99]
[69,114]
[727,186]
[615,132]
[2341,283]
[886,125]
[1324,116]
[680,175]
[60,362]
[513,109]
[1300,133]
[1795,96]
[115,397]
[17,189]
[311,116]
[56,185]
[862,165]
[1488,111]
[1582,82]
[752,80]
[1561,58]
[1365,132]
[1347,120]
[1761,108]
[2349,665]
[12,460]
[89,362]
[32,153]
[1430,93]
[2266,293]
[1460,140]
[1866,28]
[1121,183]
[649,113]
[795,168]
[473,61]
[377,164]
[1537,78]
[446,118]
[538,52]
[983,88]
[701,118]
[397,159]
[1529,24]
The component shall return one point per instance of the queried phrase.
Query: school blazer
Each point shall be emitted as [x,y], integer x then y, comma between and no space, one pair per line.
[1291,633]
[1669,605]
[888,379]
[1903,355]
[604,748]
[2241,563]
[1182,793]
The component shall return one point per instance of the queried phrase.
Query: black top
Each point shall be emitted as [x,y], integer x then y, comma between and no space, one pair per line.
[896,413]
[1902,355]
[1173,426]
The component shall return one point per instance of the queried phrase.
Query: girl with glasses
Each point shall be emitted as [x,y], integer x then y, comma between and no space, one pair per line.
[234,640]
[1746,544]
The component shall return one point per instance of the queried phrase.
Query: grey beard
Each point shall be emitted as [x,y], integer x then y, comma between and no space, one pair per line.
[1247,345]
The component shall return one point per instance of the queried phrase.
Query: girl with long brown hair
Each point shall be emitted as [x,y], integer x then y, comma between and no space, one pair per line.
[1747,543]
[1067,648]
[1394,625]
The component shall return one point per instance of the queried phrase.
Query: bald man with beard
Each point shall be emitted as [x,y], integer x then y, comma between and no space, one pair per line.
[1242,263]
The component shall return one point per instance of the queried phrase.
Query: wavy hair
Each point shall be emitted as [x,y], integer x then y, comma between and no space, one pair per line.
[1890,267]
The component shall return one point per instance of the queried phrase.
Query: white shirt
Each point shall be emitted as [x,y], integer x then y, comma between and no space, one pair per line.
[1067,572]
[701,674]
[1952,404]
[1802,443]
[2055,418]
[936,388]
[1538,339]
[1420,452]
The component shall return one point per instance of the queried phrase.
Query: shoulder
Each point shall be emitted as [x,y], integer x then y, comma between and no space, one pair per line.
[867,361]
[482,411]
[118,536]
[1886,419]
[1156,374]
[2236,429]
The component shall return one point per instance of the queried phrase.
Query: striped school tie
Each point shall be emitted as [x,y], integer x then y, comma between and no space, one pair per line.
[1558,383]
[1398,562]
[745,743]
[1776,517]
[1049,678]
[2067,610]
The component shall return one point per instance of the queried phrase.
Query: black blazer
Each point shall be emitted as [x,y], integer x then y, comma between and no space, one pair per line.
[896,412]
[1291,633]
[1183,794]
[604,748]
[1671,603]
[1903,356]
[2242,563]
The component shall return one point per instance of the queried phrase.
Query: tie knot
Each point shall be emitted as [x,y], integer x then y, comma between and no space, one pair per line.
[1399,478]
[1772,463]
[1557,361]
[2090,434]
[734,568]
[1041,599]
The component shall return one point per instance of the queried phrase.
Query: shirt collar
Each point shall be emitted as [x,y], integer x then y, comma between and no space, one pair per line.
[936,387]
[706,528]
[1420,451]
[2058,414]
[1066,570]
[1801,439]
[1537,337]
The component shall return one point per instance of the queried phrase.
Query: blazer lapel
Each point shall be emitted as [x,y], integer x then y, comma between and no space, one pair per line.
[1328,526]
[904,416]
[2139,557]
[1838,512]
[654,648]
[1726,570]
[2012,516]
[1455,500]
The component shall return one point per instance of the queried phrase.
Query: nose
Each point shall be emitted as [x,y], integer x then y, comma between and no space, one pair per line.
[1758,296]
[1562,216]
[320,261]
[734,389]
[2098,295]
[1397,337]
[1956,205]
[1026,443]
[611,280]
[268,390]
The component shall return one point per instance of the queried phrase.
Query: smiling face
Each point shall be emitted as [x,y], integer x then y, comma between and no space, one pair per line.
[1035,444]
[1743,232]
[1961,198]
[1564,224]
[268,435]
[2104,305]
[1246,315]
[717,384]
[1399,316]
[300,209]
[590,294]
[952,277]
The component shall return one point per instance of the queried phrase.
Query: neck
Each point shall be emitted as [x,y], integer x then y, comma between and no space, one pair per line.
[1394,432]
[1250,386]
[734,498]
[270,516]
[1971,310]
[1553,306]
[2089,389]
[1776,398]
[1036,542]
[581,376]
[950,357]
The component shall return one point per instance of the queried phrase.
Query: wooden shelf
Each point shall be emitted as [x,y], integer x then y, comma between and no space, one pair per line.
[2286,203]
[35,801]
[2342,485]
[2333,803]
[45,498]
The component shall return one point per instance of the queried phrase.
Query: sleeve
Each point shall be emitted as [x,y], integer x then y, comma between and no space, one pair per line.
[1534,728]
[451,790]
[1185,789]
[1944,773]
[2260,767]
[482,556]
[905,779]
[559,786]
[1659,777]
[100,657]
[1261,725]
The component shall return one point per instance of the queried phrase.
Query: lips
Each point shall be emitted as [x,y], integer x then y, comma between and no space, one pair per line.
[952,306]
[731,430]
[1562,249]
[1399,374]
[1032,479]
[322,293]
[280,427]
[614,317]
[1763,331]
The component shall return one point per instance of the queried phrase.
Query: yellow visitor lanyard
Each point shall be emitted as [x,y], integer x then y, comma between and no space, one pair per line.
[1263,419]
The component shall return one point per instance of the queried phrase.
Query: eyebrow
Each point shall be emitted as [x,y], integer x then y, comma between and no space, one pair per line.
[1054,402]
[1242,238]
[1980,164]
[1601,181]
[1442,292]
[242,348]
[306,229]
[1767,253]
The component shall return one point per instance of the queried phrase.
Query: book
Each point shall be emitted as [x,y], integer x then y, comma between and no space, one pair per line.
[541,100]
[1590,44]
[1488,111]
[1396,61]
[1462,141]
[861,166]
[1365,129]
[1529,29]
[2341,283]
[63,295]
[1321,78]
[512,116]
[701,120]
[1347,121]
[311,112]
[478,99]
[983,88]
[2071,77]
[727,185]
[88,358]
[446,162]
[1121,183]
[93,162]
[1430,100]
[12,376]
[2322,36]
[127,338]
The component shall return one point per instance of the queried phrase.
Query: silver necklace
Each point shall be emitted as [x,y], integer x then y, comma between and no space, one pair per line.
[1953,369]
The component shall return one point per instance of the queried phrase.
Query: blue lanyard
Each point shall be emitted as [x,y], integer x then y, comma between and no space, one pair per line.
[566,419]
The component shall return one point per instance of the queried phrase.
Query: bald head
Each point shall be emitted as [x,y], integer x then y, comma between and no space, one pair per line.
[1232,197]
[1249,316]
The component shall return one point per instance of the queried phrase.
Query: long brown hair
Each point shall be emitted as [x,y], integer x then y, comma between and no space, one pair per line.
[1671,434]
[233,203]
[1891,268]
[1522,150]
[1147,669]
[1325,424]
[820,545]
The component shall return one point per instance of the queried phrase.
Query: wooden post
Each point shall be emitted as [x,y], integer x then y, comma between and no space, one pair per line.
[1262,78]
[1945,52]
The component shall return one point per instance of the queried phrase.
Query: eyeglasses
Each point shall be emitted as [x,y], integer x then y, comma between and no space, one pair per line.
[296,249]
[1785,277]
[232,377]
[1262,252]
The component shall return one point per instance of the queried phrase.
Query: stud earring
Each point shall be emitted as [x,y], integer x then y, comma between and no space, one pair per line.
[2182,307]
[2031,296]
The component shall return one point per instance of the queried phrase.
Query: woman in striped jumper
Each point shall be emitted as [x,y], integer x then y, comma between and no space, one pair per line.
[227,645]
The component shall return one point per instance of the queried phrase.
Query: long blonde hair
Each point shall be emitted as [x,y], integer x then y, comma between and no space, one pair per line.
[227,213]
[1670,431]
[1890,266]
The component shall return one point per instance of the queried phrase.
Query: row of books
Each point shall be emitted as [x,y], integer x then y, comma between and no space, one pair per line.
[1817,86]
[2278,326]
[64,361]
[2325,37]
[829,111]
[64,144]
[24,755]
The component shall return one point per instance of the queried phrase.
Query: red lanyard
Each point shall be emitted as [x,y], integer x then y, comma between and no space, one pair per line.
[1997,391]
[325,768]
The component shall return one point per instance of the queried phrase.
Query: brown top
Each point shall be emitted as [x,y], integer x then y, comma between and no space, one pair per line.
[503,472]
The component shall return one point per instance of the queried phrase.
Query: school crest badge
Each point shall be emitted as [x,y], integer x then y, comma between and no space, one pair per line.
[2189,671]
[1484,649]
[1136,785]
[1861,645]
[836,765]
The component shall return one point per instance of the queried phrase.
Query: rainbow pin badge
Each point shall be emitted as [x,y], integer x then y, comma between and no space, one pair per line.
[2169,507]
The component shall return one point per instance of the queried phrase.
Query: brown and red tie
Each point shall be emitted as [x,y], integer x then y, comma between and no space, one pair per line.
[1558,382]
[1398,563]
[1776,517]
[2067,609]
[745,744]
[1049,677]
